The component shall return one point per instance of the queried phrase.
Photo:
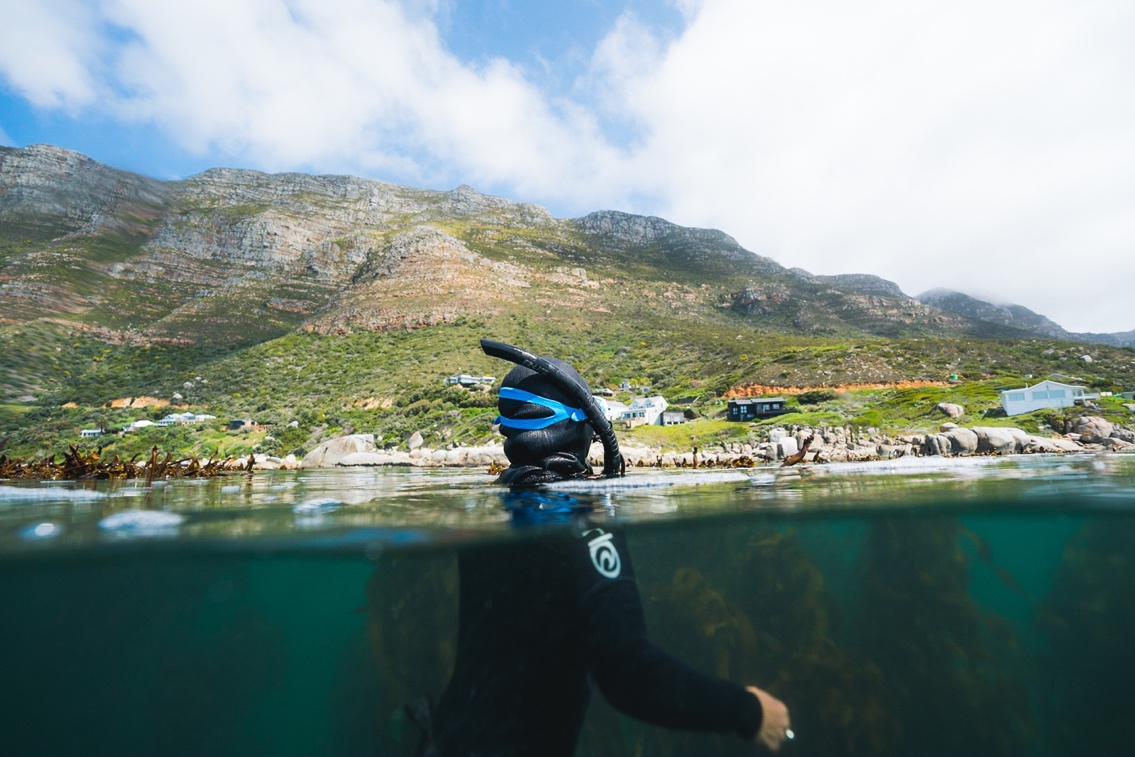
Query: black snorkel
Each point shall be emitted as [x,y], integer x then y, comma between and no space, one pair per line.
[613,464]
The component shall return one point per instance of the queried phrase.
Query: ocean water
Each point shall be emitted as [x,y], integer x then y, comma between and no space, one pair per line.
[923,606]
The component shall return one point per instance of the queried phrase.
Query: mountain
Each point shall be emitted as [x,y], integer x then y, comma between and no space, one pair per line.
[333,304]
[97,266]
[1014,316]
[241,255]
[1017,317]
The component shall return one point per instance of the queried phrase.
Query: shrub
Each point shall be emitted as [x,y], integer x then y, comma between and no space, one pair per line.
[815,396]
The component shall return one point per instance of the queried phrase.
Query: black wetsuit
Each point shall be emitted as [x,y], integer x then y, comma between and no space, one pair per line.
[542,618]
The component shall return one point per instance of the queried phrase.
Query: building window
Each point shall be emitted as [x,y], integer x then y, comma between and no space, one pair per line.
[1056,394]
[1017,397]
[1040,395]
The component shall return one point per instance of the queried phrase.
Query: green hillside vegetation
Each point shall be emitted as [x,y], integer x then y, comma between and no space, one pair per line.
[320,306]
[391,383]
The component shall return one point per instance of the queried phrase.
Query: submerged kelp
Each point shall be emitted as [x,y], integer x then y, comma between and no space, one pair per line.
[411,606]
[839,695]
[1089,621]
[952,669]
[751,605]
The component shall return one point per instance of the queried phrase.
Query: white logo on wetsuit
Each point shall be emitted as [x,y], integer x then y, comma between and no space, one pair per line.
[604,556]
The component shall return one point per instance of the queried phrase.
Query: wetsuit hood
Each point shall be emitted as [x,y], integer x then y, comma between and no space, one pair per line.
[548,416]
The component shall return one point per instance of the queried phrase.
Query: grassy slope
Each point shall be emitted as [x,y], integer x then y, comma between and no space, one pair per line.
[391,383]
[662,315]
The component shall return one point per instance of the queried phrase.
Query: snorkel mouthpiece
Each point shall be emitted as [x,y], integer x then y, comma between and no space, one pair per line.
[586,407]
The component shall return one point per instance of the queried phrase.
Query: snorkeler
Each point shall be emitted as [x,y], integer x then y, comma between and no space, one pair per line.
[540,619]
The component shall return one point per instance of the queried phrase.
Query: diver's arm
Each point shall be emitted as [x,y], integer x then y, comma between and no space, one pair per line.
[774,723]
[635,675]
[645,682]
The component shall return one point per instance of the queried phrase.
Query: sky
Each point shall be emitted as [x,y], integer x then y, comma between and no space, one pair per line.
[986,147]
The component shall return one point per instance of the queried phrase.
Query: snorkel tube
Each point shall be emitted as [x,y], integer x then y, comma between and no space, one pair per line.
[613,464]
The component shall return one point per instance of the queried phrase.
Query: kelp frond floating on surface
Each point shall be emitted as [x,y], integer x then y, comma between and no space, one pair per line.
[77,464]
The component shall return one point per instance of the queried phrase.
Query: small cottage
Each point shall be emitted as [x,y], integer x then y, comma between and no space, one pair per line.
[465,380]
[673,417]
[90,433]
[1046,394]
[755,408]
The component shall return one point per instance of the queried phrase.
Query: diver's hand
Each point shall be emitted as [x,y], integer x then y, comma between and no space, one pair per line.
[775,722]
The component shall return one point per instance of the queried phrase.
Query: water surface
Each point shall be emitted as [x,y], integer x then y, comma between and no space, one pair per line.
[922,606]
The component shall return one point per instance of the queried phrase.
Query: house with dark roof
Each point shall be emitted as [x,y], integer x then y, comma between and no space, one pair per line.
[756,408]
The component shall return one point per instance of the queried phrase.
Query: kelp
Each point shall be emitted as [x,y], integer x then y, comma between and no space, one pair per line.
[411,610]
[954,673]
[78,465]
[752,606]
[1089,621]
[903,661]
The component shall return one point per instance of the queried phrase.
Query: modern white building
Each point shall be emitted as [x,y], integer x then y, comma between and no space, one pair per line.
[135,425]
[612,409]
[465,380]
[645,411]
[184,419]
[1046,394]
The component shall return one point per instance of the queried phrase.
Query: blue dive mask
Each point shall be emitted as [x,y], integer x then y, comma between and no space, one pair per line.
[560,411]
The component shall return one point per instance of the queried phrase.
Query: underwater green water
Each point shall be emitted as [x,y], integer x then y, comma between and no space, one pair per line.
[949,607]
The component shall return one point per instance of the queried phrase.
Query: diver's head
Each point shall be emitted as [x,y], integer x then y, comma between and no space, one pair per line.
[539,419]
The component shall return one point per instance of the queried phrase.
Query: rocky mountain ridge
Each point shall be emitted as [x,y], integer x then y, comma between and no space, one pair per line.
[238,254]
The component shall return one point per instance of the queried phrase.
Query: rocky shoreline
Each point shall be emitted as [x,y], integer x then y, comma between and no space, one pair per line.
[829,445]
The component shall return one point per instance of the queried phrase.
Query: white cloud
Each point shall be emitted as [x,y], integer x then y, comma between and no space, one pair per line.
[983,146]
[49,51]
[979,146]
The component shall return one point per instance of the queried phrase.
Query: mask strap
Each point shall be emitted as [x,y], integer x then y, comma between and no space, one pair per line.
[560,411]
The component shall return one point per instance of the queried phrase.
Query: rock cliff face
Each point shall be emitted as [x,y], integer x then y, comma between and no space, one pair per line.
[49,191]
[1008,315]
[234,254]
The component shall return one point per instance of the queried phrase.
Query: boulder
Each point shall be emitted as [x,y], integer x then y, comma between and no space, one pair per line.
[891,451]
[1063,445]
[1000,440]
[776,434]
[415,440]
[1091,428]
[1130,406]
[1123,434]
[947,427]
[962,440]
[955,441]
[785,447]
[328,454]
[935,444]
[951,410]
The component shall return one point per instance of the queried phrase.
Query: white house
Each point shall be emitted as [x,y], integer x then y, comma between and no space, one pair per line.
[184,419]
[1046,394]
[465,380]
[645,411]
[612,409]
[88,433]
[135,425]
